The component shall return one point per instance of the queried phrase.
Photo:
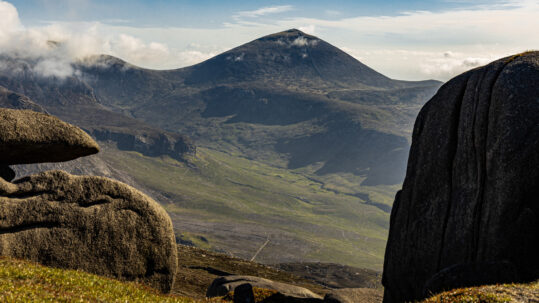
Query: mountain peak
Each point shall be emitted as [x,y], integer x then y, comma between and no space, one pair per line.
[288,33]
[290,56]
[291,35]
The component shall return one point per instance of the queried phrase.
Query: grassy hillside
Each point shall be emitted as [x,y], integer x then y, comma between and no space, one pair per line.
[23,281]
[229,203]
[490,294]
[197,268]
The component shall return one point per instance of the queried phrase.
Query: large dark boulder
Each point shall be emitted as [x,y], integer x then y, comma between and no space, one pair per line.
[90,223]
[470,201]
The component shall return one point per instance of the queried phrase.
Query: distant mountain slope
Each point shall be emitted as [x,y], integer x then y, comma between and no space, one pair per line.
[74,101]
[9,99]
[287,56]
[294,139]
[289,99]
[232,204]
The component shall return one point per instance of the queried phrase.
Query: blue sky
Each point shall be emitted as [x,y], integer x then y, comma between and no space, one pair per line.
[212,13]
[402,39]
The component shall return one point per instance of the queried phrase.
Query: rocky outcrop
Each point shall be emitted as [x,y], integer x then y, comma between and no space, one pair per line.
[30,137]
[89,223]
[468,212]
[149,143]
[9,99]
[222,285]
[80,222]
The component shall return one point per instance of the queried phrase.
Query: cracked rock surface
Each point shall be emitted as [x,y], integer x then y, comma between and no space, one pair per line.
[89,223]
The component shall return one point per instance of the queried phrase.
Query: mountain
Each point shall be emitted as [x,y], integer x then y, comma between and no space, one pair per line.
[285,138]
[74,101]
[288,56]
[9,99]
[289,99]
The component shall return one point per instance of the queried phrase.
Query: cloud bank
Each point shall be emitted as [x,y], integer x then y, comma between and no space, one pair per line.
[265,11]
[411,45]
[50,50]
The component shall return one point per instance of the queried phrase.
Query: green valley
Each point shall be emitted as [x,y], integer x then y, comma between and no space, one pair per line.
[321,219]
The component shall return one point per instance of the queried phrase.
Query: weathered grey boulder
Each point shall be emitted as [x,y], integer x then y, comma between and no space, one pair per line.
[30,137]
[222,285]
[90,223]
[354,295]
[471,193]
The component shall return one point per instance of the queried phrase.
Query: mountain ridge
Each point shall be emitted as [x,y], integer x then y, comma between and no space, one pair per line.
[282,152]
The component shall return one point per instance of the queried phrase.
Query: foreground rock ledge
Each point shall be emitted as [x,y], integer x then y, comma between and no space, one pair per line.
[90,223]
[468,212]
[30,137]
[222,285]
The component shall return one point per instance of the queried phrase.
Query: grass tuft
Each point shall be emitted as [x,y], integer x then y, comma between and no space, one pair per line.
[23,281]
[499,293]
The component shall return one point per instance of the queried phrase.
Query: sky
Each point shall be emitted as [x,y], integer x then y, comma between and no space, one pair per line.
[409,40]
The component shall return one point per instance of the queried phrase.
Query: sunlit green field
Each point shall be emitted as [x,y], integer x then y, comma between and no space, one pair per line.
[321,216]
[23,281]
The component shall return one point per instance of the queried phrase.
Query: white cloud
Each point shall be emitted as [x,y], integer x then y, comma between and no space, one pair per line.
[478,35]
[412,45]
[417,65]
[49,67]
[265,11]
[309,29]
[9,22]
[76,40]
[517,23]
[302,41]
[445,67]
[134,50]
